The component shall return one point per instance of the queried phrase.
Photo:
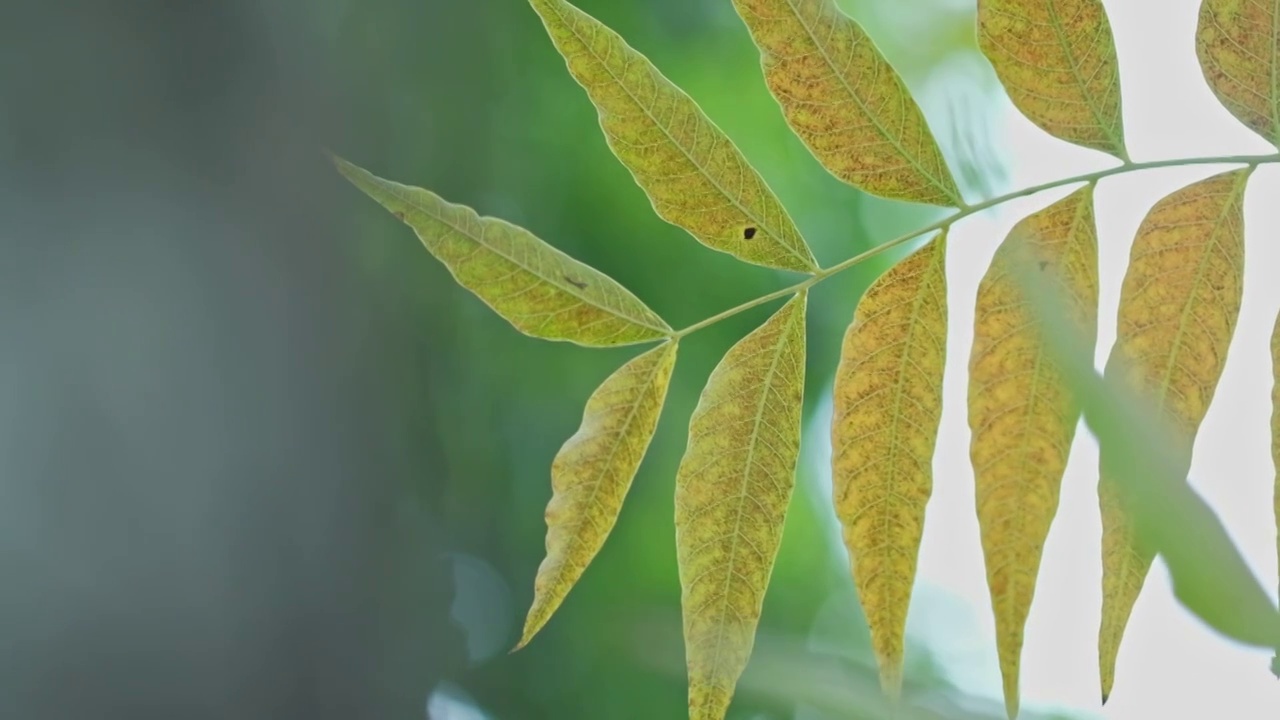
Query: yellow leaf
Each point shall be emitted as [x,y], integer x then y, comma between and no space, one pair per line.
[888,403]
[732,491]
[1021,412]
[845,101]
[694,175]
[1238,43]
[1057,60]
[1178,309]
[536,288]
[592,473]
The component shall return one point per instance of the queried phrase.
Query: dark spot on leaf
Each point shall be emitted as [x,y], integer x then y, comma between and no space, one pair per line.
[576,283]
[1043,264]
[399,215]
[748,233]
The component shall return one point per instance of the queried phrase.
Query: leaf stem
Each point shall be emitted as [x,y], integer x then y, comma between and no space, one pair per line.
[968,211]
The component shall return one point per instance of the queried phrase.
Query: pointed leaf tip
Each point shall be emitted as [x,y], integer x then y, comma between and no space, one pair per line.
[732,491]
[1178,309]
[535,287]
[1057,60]
[1238,44]
[844,100]
[1022,413]
[692,172]
[592,473]
[887,407]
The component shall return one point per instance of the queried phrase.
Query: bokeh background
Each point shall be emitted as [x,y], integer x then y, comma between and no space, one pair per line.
[260,457]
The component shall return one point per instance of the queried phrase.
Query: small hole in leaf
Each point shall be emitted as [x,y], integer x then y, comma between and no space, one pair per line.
[748,233]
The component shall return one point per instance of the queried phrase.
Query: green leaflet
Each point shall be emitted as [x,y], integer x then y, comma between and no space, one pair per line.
[844,100]
[1178,309]
[694,175]
[1275,447]
[1057,60]
[887,406]
[1022,413]
[732,491]
[592,473]
[535,287]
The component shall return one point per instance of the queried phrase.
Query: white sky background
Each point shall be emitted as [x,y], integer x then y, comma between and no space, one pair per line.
[1170,665]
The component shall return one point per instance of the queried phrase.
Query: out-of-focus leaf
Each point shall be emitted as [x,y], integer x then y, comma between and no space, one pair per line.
[592,472]
[694,174]
[1178,309]
[732,491]
[1238,43]
[1022,414]
[535,287]
[1057,60]
[1275,445]
[1139,452]
[887,406]
[844,100]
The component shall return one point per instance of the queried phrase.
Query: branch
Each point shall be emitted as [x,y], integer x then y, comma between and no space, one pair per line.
[968,211]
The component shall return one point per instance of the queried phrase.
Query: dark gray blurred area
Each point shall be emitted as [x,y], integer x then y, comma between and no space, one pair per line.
[261,457]
[200,514]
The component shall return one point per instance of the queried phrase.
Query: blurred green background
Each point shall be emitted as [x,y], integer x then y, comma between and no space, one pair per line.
[263,458]
[471,100]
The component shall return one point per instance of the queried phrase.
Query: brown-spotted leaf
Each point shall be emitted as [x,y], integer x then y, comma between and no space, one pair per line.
[1057,60]
[732,491]
[887,406]
[1238,43]
[844,100]
[535,287]
[592,472]
[692,172]
[1021,411]
[1178,309]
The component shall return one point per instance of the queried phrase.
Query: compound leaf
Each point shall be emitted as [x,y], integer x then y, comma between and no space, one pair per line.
[887,406]
[1021,411]
[1057,60]
[535,287]
[592,472]
[694,175]
[844,100]
[1178,309]
[732,491]
[1238,43]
